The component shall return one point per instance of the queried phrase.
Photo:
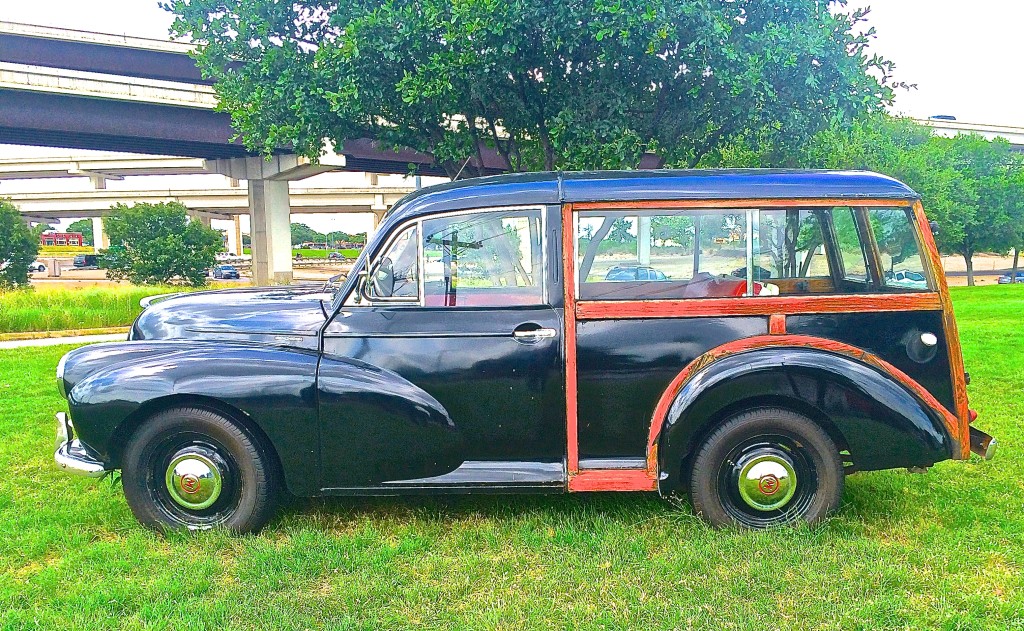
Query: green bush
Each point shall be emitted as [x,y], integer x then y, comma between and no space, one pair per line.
[156,244]
[18,246]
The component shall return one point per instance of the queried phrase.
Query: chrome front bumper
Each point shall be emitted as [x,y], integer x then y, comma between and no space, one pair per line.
[69,453]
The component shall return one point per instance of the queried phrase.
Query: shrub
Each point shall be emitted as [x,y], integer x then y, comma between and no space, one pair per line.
[153,244]
[18,246]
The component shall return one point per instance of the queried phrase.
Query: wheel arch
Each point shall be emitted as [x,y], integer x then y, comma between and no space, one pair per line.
[136,419]
[867,412]
[755,402]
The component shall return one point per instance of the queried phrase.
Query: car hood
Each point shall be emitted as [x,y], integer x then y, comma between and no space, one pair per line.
[287,316]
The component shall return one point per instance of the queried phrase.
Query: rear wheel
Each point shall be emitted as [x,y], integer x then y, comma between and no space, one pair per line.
[194,469]
[766,467]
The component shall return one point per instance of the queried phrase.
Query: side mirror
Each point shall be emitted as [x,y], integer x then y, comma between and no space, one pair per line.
[384,279]
[934,225]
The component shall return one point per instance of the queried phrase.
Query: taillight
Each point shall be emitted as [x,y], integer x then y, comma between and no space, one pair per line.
[972,415]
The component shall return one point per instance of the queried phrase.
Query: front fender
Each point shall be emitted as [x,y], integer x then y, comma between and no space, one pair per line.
[880,422]
[378,427]
[274,387]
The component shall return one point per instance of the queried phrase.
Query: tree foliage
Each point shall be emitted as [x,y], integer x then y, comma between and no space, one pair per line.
[301,233]
[153,244]
[83,226]
[19,246]
[549,85]
[969,185]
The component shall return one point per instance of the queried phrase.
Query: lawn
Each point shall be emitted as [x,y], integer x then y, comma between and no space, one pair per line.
[63,308]
[942,550]
[308,253]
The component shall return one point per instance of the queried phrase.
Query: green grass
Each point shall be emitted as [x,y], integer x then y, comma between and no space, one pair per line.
[308,253]
[64,250]
[59,309]
[938,551]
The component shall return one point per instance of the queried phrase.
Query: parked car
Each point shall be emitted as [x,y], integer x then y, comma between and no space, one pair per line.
[1007,278]
[86,261]
[225,271]
[907,278]
[500,363]
[634,272]
[37,266]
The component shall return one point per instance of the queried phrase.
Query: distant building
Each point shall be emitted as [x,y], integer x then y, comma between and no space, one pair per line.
[62,238]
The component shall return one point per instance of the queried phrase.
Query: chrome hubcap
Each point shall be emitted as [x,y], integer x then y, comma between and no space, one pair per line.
[767,481]
[194,480]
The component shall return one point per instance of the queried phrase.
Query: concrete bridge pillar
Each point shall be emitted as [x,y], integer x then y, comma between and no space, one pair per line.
[100,240]
[270,231]
[235,236]
[270,208]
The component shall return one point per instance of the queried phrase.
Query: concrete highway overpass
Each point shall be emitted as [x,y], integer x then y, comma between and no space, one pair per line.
[1015,135]
[80,90]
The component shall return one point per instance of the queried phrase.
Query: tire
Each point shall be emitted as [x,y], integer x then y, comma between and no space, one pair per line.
[790,469]
[173,461]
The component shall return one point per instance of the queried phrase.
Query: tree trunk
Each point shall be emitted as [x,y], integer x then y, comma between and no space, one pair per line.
[1016,259]
[969,259]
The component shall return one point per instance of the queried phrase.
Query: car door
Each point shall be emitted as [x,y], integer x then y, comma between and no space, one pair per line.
[458,312]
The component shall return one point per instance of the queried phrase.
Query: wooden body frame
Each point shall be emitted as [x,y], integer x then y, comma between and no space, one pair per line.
[777,308]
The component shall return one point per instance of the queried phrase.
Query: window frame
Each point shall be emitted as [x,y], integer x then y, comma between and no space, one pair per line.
[859,211]
[420,301]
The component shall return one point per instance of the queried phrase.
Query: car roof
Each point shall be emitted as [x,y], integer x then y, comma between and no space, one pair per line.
[662,184]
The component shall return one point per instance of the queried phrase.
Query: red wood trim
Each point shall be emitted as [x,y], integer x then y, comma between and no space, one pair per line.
[956,357]
[777,324]
[767,341]
[613,480]
[740,203]
[571,386]
[755,305]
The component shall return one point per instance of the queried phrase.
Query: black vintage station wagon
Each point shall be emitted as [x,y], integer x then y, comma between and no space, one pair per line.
[746,337]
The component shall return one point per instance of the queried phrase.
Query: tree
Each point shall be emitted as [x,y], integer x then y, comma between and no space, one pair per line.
[157,244]
[301,233]
[18,246]
[969,185]
[548,85]
[83,226]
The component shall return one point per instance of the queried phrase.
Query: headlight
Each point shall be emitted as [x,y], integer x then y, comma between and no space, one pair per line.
[60,376]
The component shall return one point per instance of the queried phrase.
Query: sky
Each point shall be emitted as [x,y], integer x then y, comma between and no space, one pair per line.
[963,57]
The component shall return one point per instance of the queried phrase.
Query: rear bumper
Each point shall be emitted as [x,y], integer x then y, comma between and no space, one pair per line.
[982,444]
[70,455]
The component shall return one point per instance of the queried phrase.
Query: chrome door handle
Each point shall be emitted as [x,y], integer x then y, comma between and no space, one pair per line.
[533,335]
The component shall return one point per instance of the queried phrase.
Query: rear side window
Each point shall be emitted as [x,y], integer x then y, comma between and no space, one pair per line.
[899,250]
[662,254]
[737,253]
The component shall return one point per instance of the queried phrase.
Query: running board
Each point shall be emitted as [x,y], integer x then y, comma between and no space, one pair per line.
[504,473]
[612,480]
[613,463]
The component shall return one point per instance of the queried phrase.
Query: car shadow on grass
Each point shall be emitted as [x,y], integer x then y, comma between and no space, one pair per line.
[455,508]
[873,499]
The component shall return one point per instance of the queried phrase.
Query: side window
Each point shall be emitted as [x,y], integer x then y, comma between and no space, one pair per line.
[488,259]
[394,277]
[848,241]
[736,253]
[790,251]
[899,251]
[627,255]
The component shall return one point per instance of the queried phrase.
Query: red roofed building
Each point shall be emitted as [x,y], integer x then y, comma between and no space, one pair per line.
[62,238]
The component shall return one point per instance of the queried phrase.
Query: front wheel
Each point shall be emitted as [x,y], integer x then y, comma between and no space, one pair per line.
[194,469]
[766,467]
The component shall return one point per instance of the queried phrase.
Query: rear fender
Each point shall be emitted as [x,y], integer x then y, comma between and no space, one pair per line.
[882,423]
